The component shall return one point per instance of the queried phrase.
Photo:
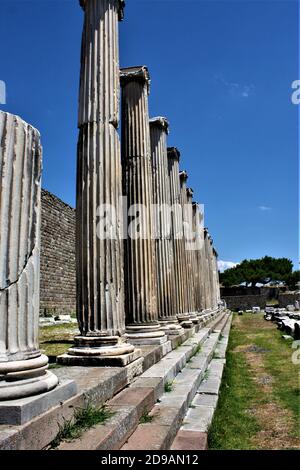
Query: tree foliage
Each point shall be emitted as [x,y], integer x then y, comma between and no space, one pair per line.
[262,271]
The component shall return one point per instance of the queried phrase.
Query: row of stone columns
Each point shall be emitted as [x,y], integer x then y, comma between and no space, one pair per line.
[140,276]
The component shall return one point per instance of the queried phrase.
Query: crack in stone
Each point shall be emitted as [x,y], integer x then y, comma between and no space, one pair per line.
[10,284]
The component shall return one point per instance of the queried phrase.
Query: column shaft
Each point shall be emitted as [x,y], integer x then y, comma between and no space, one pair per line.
[140,278]
[166,305]
[177,230]
[99,211]
[20,207]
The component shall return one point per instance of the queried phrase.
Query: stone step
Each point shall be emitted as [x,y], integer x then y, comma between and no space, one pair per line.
[140,397]
[193,432]
[96,385]
[167,415]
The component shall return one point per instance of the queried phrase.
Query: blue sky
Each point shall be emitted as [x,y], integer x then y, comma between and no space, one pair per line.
[221,72]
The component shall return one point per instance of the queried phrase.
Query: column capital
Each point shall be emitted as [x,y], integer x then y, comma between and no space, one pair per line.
[183,176]
[138,73]
[190,192]
[161,122]
[120,2]
[173,153]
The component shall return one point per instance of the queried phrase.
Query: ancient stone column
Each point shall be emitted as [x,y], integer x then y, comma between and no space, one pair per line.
[202,263]
[196,259]
[218,293]
[207,270]
[213,277]
[176,229]
[99,245]
[23,369]
[184,318]
[142,325]
[190,253]
[166,307]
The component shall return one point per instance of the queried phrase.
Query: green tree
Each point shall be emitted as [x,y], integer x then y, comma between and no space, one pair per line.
[262,270]
[292,279]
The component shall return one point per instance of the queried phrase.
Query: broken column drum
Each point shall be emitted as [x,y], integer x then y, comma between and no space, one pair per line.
[142,325]
[164,249]
[23,369]
[99,230]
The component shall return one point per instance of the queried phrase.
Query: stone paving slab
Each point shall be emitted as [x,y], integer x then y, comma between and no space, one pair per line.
[150,437]
[204,399]
[198,419]
[108,436]
[190,440]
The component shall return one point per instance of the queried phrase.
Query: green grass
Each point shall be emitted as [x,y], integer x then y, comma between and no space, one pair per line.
[234,425]
[169,386]
[146,418]
[57,339]
[285,374]
[83,419]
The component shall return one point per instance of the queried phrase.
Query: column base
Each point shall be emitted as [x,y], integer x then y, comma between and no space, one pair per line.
[19,379]
[20,411]
[145,335]
[102,351]
[171,326]
[184,320]
[194,318]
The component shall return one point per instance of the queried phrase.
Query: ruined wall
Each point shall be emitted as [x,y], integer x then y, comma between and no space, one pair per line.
[288,299]
[245,302]
[242,298]
[58,277]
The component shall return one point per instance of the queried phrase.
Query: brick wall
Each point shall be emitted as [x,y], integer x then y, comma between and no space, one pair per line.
[58,281]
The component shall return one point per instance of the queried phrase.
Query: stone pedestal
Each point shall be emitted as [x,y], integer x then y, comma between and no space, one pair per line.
[99,211]
[23,369]
[142,326]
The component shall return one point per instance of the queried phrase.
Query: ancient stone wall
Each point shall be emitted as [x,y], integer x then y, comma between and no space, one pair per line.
[288,298]
[245,302]
[58,277]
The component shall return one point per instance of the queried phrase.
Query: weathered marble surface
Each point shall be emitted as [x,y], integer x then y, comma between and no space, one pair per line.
[23,370]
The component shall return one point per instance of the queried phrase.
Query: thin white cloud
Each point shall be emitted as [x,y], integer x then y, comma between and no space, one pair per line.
[265,208]
[236,89]
[223,265]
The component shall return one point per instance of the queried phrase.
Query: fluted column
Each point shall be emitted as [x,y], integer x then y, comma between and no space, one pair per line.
[99,245]
[176,229]
[217,279]
[191,248]
[213,278]
[196,258]
[202,264]
[142,325]
[23,369]
[184,318]
[207,270]
[166,306]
